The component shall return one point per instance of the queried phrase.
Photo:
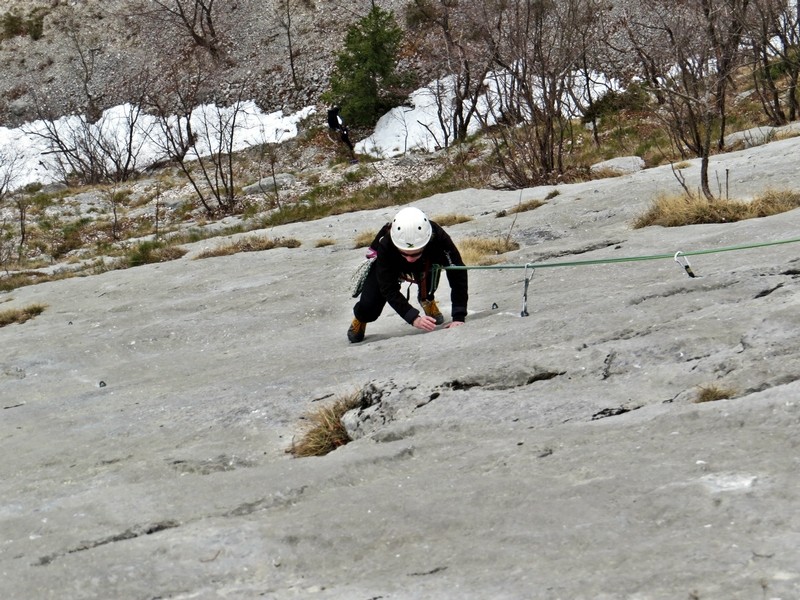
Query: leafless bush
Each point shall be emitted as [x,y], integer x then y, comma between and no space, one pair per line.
[774,38]
[10,171]
[199,138]
[10,166]
[90,153]
[690,53]
[537,67]
[89,145]
[284,15]
[193,24]
[458,48]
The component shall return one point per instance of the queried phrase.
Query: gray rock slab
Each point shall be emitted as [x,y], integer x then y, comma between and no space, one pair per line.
[751,137]
[622,165]
[146,415]
[269,184]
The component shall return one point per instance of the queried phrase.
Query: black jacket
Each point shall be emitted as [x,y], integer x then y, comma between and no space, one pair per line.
[391,268]
[335,121]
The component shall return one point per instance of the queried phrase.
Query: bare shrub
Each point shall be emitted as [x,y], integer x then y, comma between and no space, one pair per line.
[187,25]
[454,44]
[200,139]
[535,47]
[773,38]
[690,54]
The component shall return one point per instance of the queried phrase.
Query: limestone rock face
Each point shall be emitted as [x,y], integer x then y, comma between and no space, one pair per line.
[146,414]
[269,184]
[622,165]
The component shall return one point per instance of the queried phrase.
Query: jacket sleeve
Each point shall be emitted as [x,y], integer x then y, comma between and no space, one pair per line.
[389,283]
[458,280]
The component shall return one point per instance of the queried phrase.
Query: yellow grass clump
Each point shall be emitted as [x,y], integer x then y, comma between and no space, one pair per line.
[450,219]
[679,210]
[323,430]
[527,205]
[250,244]
[364,239]
[20,315]
[712,393]
[484,251]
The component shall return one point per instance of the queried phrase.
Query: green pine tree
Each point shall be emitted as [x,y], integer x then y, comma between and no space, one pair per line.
[364,82]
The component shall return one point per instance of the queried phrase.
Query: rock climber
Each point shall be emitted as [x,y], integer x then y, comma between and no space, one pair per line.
[406,250]
[336,124]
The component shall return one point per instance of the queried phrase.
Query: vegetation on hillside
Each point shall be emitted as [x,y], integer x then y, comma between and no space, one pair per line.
[364,82]
[697,71]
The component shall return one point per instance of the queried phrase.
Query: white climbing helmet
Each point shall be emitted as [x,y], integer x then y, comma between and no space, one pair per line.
[411,229]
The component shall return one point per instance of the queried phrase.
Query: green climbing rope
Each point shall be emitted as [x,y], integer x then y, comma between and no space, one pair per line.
[601,261]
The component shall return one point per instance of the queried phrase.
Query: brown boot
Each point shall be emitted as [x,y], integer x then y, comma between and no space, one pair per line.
[356,332]
[432,310]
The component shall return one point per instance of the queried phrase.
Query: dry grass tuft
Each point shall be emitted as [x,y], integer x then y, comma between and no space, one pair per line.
[526,206]
[20,279]
[364,239]
[604,173]
[323,242]
[485,251]
[523,207]
[150,252]
[676,211]
[773,202]
[450,219]
[20,315]
[323,431]
[712,393]
[250,244]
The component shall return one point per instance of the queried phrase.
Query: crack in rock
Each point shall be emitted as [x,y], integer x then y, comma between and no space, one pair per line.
[574,252]
[613,412]
[129,534]
[683,290]
[431,572]
[223,462]
[273,501]
[767,292]
[607,365]
[503,380]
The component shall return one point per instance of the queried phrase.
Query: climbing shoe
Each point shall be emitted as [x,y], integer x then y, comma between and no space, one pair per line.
[430,308]
[356,332]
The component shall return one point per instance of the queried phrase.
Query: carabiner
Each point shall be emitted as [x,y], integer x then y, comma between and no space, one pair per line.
[681,259]
[524,312]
